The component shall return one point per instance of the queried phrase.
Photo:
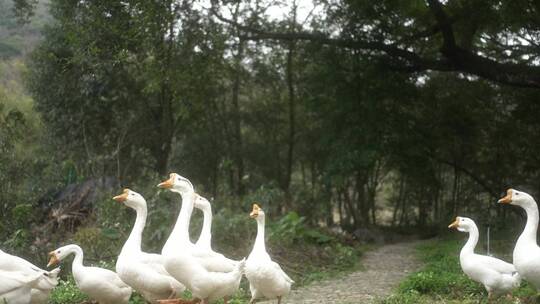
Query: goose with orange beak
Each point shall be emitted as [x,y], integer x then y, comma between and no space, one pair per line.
[526,252]
[266,278]
[207,274]
[143,271]
[179,238]
[497,276]
[100,284]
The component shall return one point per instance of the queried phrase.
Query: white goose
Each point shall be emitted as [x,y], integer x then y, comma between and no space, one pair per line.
[100,284]
[204,243]
[46,282]
[187,263]
[15,286]
[266,278]
[526,251]
[497,276]
[179,237]
[142,271]
[205,238]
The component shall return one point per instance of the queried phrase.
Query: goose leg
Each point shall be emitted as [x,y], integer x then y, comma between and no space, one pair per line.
[279,300]
[225,300]
[173,292]
[252,301]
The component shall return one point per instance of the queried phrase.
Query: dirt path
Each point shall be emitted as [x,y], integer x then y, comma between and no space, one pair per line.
[383,269]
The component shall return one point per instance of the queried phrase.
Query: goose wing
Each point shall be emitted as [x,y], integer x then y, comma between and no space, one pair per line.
[496,264]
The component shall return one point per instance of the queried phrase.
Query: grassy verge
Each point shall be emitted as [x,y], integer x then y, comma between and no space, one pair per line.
[442,281]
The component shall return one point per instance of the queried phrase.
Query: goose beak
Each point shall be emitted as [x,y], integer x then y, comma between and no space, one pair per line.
[168,183]
[122,197]
[507,199]
[255,211]
[53,259]
[455,224]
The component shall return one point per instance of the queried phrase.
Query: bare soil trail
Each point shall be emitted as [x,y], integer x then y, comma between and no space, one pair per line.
[382,270]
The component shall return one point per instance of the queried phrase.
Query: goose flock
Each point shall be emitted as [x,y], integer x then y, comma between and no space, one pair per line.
[497,276]
[210,276]
[159,278]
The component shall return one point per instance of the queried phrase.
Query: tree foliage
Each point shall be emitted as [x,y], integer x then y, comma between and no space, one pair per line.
[425,109]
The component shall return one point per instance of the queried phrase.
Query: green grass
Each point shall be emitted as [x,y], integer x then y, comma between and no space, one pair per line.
[67,292]
[441,280]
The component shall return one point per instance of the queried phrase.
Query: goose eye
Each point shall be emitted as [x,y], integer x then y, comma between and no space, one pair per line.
[58,251]
[517,193]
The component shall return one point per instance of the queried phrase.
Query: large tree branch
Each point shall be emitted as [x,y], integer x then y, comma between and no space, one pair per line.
[412,60]
[455,58]
[470,62]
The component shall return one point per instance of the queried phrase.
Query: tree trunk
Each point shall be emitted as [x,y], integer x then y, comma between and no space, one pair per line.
[163,144]
[238,146]
[292,125]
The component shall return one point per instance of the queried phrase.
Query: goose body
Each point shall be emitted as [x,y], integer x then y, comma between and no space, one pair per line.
[526,252]
[46,281]
[100,284]
[497,276]
[266,278]
[203,284]
[142,271]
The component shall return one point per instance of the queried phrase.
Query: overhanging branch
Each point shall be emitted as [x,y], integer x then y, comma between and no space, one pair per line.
[456,59]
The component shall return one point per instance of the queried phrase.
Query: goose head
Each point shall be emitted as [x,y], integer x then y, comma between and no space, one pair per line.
[463,224]
[131,199]
[54,273]
[177,183]
[257,213]
[201,203]
[518,198]
[58,255]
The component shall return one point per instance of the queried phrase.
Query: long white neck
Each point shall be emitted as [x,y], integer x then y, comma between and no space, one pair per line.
[133,243]
[180,233]
[471,242]
[529,233]
[260,245]
[205,239]
[79,256]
